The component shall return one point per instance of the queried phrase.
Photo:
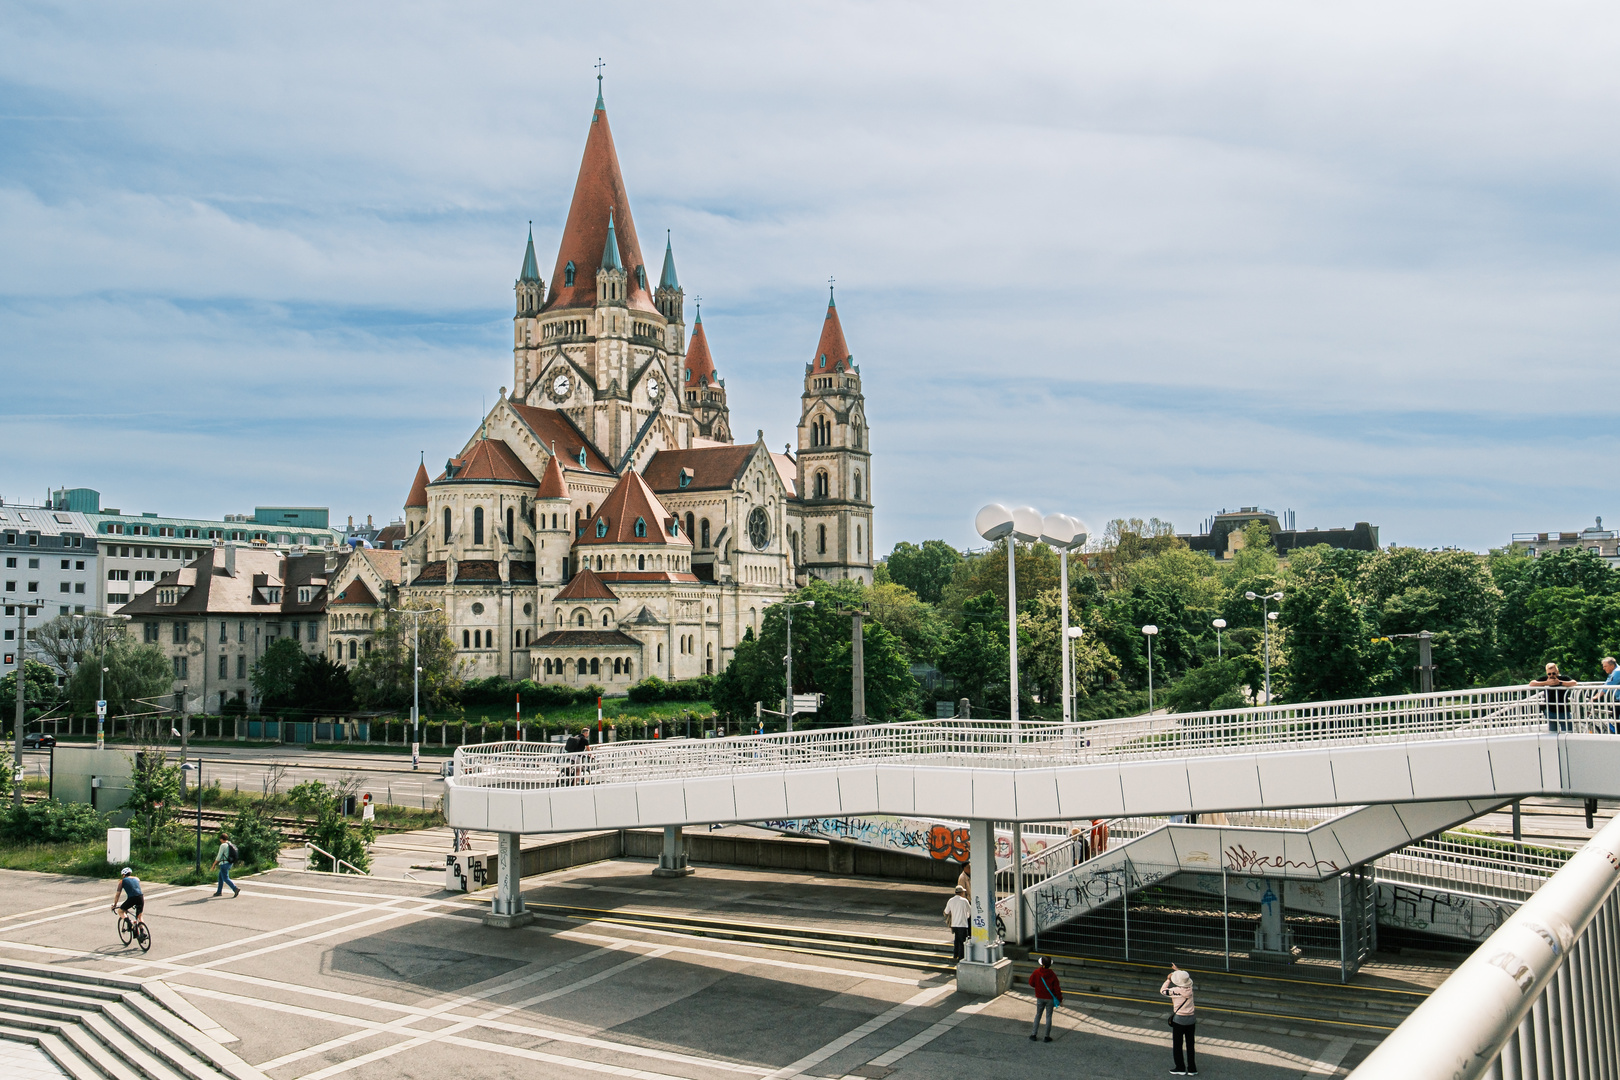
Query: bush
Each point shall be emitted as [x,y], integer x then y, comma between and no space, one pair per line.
[256,837]
[551,696]
[335,834]
[55,822]
[649,690]
[1234,698]
[653,689]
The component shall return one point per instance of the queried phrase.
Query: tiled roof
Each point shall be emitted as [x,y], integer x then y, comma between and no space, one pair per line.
[478,572]
[432,574]
[355,592]
[709,468]
[598,192]
[586,585]
[551,427]
[586,639]
[488,460]
[388,534]
[418,495]
[630,501]
[632,576]
[699,364]
[831,350]
[552,484]
[213,591]
[522,573]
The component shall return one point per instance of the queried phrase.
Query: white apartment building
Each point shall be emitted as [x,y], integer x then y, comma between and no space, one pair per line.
[49,560]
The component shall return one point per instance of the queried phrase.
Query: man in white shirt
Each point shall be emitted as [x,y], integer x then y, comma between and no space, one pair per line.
[958,916]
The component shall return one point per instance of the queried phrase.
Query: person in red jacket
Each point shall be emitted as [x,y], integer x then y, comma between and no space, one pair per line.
[1048,995]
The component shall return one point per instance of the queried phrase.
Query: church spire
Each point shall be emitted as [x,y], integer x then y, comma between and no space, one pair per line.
[831,351]
[531,267]
[667,280]
[610,247]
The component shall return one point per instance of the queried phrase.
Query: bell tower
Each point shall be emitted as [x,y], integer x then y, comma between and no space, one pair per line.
[835,461]
[531,293]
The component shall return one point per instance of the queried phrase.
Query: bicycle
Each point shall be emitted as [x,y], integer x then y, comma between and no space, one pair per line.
[129,929]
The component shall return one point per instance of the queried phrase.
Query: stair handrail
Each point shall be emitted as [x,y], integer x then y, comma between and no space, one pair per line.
[336,862]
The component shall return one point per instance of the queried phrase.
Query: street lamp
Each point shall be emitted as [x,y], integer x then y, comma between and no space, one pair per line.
[787,708]
[1219,625]
[186,767]
[1271,617]
[415,615]
[1150,632]
[995,522]
[1064,533]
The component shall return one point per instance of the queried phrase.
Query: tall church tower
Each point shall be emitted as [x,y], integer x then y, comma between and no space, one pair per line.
[835,462]
[531,293]
[705,390]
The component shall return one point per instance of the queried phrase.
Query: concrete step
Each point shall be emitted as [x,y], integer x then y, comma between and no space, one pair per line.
[105,1063]
[56,1048]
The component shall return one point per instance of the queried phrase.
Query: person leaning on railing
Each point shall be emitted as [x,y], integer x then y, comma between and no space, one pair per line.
[1611,668]
[1556,697]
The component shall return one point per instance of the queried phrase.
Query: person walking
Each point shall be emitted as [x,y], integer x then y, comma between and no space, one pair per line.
[1557,697]
[223,858]
[958,916]
[1178,987]
[1048,996]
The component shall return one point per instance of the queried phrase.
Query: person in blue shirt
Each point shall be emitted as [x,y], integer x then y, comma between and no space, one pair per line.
[1612,669]
[129,887]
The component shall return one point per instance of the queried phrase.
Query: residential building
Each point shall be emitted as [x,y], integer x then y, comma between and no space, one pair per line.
[1222,535]
[1604,543]
[49,560]
[363,583]
[215,616]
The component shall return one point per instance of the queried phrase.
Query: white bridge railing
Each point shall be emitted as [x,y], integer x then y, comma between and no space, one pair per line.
[1538,999]
[1042,744]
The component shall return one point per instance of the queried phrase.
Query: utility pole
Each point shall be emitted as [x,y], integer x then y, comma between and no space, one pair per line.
[415,615]
[1426,663]
[857,658]
[17,730]
[787,706]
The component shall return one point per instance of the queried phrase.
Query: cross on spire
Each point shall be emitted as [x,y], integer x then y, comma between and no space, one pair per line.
[600,64]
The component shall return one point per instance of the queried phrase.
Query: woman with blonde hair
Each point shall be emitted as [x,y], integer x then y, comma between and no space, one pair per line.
[1178,987]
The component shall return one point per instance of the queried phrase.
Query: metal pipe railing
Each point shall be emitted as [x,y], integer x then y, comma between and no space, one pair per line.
[1043,744]
[1536,1000]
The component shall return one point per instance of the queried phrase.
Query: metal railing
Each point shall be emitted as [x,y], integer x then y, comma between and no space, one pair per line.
[337,863]
[1460,862]
[1042,744]
[1538,999]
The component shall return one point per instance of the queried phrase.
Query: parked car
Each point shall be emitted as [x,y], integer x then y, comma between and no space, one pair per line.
[38,741]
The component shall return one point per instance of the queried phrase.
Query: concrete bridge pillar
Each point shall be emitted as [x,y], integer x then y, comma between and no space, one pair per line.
[984,971]
[1272,940]
[508,912]
[672,863]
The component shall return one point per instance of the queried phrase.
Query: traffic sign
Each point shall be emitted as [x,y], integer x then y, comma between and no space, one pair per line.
[806,702]
[101,710]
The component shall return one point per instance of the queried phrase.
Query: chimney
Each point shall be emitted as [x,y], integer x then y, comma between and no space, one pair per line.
[368,521]
[351,522]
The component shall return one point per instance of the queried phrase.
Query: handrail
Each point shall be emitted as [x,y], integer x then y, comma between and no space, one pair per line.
[336,862]
[1462,1029]
[1003,744]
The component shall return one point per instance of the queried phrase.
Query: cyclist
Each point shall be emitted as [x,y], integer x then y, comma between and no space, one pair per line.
[129,886]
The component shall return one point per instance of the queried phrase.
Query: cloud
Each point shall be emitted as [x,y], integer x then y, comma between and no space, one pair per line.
[1118,260]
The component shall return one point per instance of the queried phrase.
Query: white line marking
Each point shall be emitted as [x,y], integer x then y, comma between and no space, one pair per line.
[929,1034]
[815,1057]
[553,1059]
[1328,1063]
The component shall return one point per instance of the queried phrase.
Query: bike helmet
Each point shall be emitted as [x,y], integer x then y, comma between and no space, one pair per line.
[125,872]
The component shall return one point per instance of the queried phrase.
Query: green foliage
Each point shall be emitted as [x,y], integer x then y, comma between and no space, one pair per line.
[323,687]
[975,655]
[154,794]
[1202,687]
[383,679]
[50,821]
[916,622]
[308,798]
[39,686]
[653,689]
[924,570]
[275,677]
[135,673]
[754,674]
[1527,638]
[256,836]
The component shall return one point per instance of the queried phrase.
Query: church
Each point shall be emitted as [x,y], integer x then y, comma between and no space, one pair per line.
[602,525]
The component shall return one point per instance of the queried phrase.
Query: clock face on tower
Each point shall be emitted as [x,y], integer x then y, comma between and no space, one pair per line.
[560,386]
[759,527]
[654,389]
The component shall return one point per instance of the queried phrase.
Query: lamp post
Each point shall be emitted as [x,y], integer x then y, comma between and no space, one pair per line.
[1271,617]
[787,707]
[1070,635]
[186,767]
[415,615]
[1064,533]
[995,522]
[1150,632]
[857,661]
[1219,625]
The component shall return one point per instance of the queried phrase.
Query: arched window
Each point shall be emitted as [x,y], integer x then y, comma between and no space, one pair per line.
[584,668]
[596,666]
[579,522]
[689,532]
[703,527]
[857,539]
[601,527]
[466,639]
[579,620]
[511,532]
[821,539]
[822,487]
[605,615]
[660,652]
[641,526]
[708,664]
[351,650]
[617,666]
[641,562]
[568,273]
[478,526]
[447,524]
[599,562]
[857,483]
[627,667]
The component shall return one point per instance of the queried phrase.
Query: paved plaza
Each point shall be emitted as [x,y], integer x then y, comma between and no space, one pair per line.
[311,976]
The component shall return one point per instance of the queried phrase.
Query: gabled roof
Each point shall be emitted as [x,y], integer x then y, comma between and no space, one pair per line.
[212,591]
[707,468]
[788,470]
[418,495]
[388,534]
[552,428]
[585,585]
[632,577]
[831,350]
[598,192]
[631,501]
[552,484]
[699,364]
[488,460]
[355,592]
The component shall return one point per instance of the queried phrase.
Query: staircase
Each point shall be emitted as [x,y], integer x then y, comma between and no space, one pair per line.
[102,1027]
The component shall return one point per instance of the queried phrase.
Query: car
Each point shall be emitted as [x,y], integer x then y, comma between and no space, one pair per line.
[38,741]
[447,769]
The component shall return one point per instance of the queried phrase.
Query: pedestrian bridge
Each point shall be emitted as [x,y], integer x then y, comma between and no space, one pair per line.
[1482,745]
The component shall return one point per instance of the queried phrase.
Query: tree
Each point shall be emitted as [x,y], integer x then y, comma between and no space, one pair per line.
[1202,687]
[753,675]
[383,679]
[154,792]
[1040,650]
[323,687]
[975,655]
[925,570]
[276,674]
[1577,629]
[975,575]
[918,625]
[39,686]
[1449,593]
[891,690]
[66,641]
[1522,642]
[136,675]
[1327,640]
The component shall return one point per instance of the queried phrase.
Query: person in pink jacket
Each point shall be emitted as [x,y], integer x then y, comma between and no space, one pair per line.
[1183,1019]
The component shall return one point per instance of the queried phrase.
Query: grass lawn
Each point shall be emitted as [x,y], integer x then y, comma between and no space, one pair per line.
[172,865]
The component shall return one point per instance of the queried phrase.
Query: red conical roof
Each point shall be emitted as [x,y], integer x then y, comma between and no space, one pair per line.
[552,484]
[598,192]
[629,501]
[831,351]
[699,364]
[418,495]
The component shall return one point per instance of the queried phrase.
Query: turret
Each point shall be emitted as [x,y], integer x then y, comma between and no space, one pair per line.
[611,279]
[531,291]
[670,298]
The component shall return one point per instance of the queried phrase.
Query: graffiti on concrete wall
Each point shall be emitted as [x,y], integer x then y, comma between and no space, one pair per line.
[1241,860]
[1071,895]
[916,836]
[1470,918]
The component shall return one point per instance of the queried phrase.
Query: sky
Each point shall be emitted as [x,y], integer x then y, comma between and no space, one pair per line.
[1114,260]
